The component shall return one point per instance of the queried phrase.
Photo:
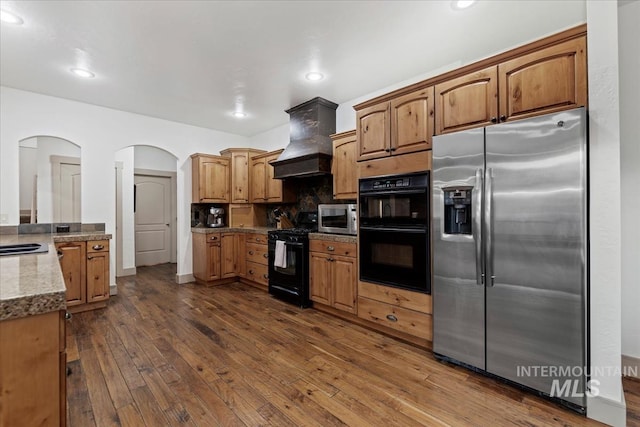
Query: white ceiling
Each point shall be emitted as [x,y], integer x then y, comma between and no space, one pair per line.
[194,61]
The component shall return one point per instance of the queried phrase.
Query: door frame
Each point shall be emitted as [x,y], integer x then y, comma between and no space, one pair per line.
[173,250]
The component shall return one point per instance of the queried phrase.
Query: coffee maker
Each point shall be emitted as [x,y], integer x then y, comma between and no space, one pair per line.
[215,218]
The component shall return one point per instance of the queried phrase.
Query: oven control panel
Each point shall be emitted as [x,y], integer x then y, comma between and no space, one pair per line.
[391,183]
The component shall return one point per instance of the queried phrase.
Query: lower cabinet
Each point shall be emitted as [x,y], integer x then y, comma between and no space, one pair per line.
[33,370]
[332,274]
[206,257]
[257,259]
[398,309]
[85,268]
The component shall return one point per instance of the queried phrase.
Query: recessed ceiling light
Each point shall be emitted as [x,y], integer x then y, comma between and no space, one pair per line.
[239,114]
[10,18]
[314,76]
[462,4]
[83,73]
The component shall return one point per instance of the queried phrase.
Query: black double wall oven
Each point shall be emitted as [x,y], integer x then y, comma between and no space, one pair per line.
[394,231]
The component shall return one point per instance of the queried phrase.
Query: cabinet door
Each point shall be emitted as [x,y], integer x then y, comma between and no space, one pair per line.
[227,255]
[344,283]
[240,258]
[372,127]
[468,101]
[73,266]
[258,180]
[412,121]
[343,167]
[545,81]
[214,180]
[320,278]
[273,186]
[240,177]
[213,261]
[97,276]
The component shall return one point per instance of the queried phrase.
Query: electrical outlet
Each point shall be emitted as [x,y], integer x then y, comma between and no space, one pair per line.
[4,218]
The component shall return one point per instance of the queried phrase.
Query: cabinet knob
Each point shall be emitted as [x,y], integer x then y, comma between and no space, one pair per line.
[393,148]
[214,238]
[258,239]
[90,257]
[250,252]
[331,248]
[387,150]
[494,120]
[265,255]
[503,118]
[98,247]
[265,276]
[250,271]
[392,318]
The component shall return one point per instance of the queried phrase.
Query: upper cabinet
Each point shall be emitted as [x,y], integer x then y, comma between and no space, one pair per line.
[210,178]
[343,166]
[551,79]
[240,174]
[547,80]
[467,101]
[264,187]
[399,126]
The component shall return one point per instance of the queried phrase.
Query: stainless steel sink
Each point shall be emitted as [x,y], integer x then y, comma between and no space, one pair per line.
[23,248]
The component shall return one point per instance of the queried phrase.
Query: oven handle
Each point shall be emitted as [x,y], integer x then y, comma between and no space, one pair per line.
[295,245]
[399,230]
[392,192]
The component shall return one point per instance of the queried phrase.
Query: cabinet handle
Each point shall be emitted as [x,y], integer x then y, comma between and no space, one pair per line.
[265,276]
[258,239]
[331,248]
[90,257]
[388,150]
[214,238]
[250,271]
[494,120]
[67,315]
[98,247]
[393,148]
[265,255]
[392,318]
[250,252]
[503,118]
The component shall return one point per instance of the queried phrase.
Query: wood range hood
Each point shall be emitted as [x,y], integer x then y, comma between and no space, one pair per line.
[310,149]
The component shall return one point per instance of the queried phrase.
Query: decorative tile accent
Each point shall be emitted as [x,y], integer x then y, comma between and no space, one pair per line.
[34,229]
[98,226]
[6,230]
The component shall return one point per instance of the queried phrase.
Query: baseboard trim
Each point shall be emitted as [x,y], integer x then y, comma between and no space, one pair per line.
[606,410]
[185,278]
[113,289]
[631,366]
[128,272]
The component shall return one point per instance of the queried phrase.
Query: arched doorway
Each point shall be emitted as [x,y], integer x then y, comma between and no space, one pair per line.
[146,208]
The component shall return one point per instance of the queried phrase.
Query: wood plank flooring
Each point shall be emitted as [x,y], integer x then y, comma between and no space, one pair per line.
[163,354]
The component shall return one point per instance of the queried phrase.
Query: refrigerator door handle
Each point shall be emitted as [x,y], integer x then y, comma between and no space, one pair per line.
[488,226]
[476,200]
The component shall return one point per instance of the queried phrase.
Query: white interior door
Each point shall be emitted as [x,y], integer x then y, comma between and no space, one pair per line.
[152,219]
[69,192]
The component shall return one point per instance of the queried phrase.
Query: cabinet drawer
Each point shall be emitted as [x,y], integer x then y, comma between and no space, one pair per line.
[98,246]
[257,253]
[260,239]
[399,297]
[258,273]
[394,317]
[333,248]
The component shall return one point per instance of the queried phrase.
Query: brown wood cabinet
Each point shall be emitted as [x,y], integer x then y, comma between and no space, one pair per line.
[228,255]
[399,126]
[551,79]
[240,173]
[210,178]
[33,370]
[85,268]
[343,166]
[398,309]
[206,256]
[265,188]
[467,101]
[257,259]
[332,274]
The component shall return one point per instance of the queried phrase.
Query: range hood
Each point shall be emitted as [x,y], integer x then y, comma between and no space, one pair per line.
[310,149]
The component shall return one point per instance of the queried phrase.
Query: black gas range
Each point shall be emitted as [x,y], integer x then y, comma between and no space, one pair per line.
[289,260]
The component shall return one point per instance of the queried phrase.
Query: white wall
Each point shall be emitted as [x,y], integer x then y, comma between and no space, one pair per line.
[629,34]
[100,132]
[126,158]
[146,157]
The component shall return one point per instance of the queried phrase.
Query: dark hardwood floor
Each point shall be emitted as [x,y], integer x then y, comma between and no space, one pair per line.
[162,355]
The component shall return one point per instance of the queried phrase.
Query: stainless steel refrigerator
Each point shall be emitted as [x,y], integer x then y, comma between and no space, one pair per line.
[510,251]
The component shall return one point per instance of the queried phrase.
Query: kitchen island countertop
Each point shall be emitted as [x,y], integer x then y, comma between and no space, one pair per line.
[33,283]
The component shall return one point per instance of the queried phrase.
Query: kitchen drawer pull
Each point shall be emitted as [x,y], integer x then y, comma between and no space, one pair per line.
[90,257]
[392,318]
[251,272]
[265,255]
[67,315]
[331,248]
[265,276]
[258,239]
[214,237]
[98,247]
[250,252]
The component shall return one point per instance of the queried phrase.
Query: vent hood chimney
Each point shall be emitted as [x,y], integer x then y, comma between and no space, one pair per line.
[310,149]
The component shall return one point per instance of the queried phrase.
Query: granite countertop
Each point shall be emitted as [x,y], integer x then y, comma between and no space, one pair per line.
[251,229]
[342,238]
[33,283]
